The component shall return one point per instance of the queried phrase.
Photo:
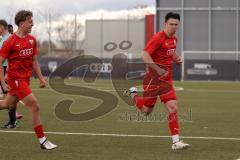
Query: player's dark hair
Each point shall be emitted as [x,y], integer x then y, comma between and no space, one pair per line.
[172,15]
[3,23]
[22,15]
[10,28]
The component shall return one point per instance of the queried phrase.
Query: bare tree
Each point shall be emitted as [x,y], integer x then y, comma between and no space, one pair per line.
[47,16]
[11,11]
[69,33]
[45,44]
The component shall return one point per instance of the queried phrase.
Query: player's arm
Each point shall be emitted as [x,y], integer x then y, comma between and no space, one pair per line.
[38,72]
[149,61]
[177,58]
[4,53]
[150,48]
[2,78]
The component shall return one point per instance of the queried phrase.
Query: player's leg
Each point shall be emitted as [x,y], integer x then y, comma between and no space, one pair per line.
[150,94]
[12,123]
[173,124]
[146,102]
[143,103]
[33,104]
[170,102]
[8,101]
[17,114]
[149,104]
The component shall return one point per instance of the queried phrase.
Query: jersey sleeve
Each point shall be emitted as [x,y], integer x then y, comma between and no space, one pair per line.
[6,48]
[153,44]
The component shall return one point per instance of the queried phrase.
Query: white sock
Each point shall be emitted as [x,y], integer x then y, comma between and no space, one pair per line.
[133,95]
[175,138]
[41,140]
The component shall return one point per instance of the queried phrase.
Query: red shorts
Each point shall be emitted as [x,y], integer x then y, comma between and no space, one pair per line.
[19,88]
[155,86]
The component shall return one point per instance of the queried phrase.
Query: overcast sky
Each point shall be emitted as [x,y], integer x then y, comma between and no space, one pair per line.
[63,10]
[9,7]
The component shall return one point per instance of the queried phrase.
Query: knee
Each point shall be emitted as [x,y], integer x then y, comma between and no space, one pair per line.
[147,110]
[172,108]
[5,105]
[35,107]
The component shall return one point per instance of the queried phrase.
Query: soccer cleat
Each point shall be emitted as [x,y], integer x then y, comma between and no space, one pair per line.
[10,125]
[128,92]
[180,145]
[47,145]
[18,116]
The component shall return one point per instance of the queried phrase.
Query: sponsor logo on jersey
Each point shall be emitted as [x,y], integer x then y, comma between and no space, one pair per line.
[26,52]
[31,41]
[170,52]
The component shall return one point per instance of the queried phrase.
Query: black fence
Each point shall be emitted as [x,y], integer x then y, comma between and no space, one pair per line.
[212,70]
[132,68]
[193,69]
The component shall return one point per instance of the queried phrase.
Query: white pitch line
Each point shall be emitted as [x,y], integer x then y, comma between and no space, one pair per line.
[212,90]
[122,135]
[184,90]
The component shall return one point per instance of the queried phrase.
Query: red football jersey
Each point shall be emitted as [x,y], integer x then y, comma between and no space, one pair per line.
[161,49]
[20,53]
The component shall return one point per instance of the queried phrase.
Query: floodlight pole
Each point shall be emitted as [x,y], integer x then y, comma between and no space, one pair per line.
[157,16]
[49,33]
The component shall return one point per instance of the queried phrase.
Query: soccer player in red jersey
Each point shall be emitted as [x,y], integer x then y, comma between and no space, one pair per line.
[12,123]
[21,51]
[159,54]
[18,115]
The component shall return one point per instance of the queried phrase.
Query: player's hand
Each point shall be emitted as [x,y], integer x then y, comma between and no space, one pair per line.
[162,72]
[5,76]
[178,60]
[42,83]
[5,87]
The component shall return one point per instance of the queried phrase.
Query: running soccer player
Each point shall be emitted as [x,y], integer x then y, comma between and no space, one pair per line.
[159,54]
[12,123]
[21,51]
[18,115]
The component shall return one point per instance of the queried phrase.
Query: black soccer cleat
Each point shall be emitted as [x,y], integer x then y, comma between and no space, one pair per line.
[10,125]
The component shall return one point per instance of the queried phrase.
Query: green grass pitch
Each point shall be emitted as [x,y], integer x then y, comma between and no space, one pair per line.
[207,109]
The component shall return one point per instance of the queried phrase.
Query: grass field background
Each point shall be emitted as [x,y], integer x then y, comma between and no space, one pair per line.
[210,109]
